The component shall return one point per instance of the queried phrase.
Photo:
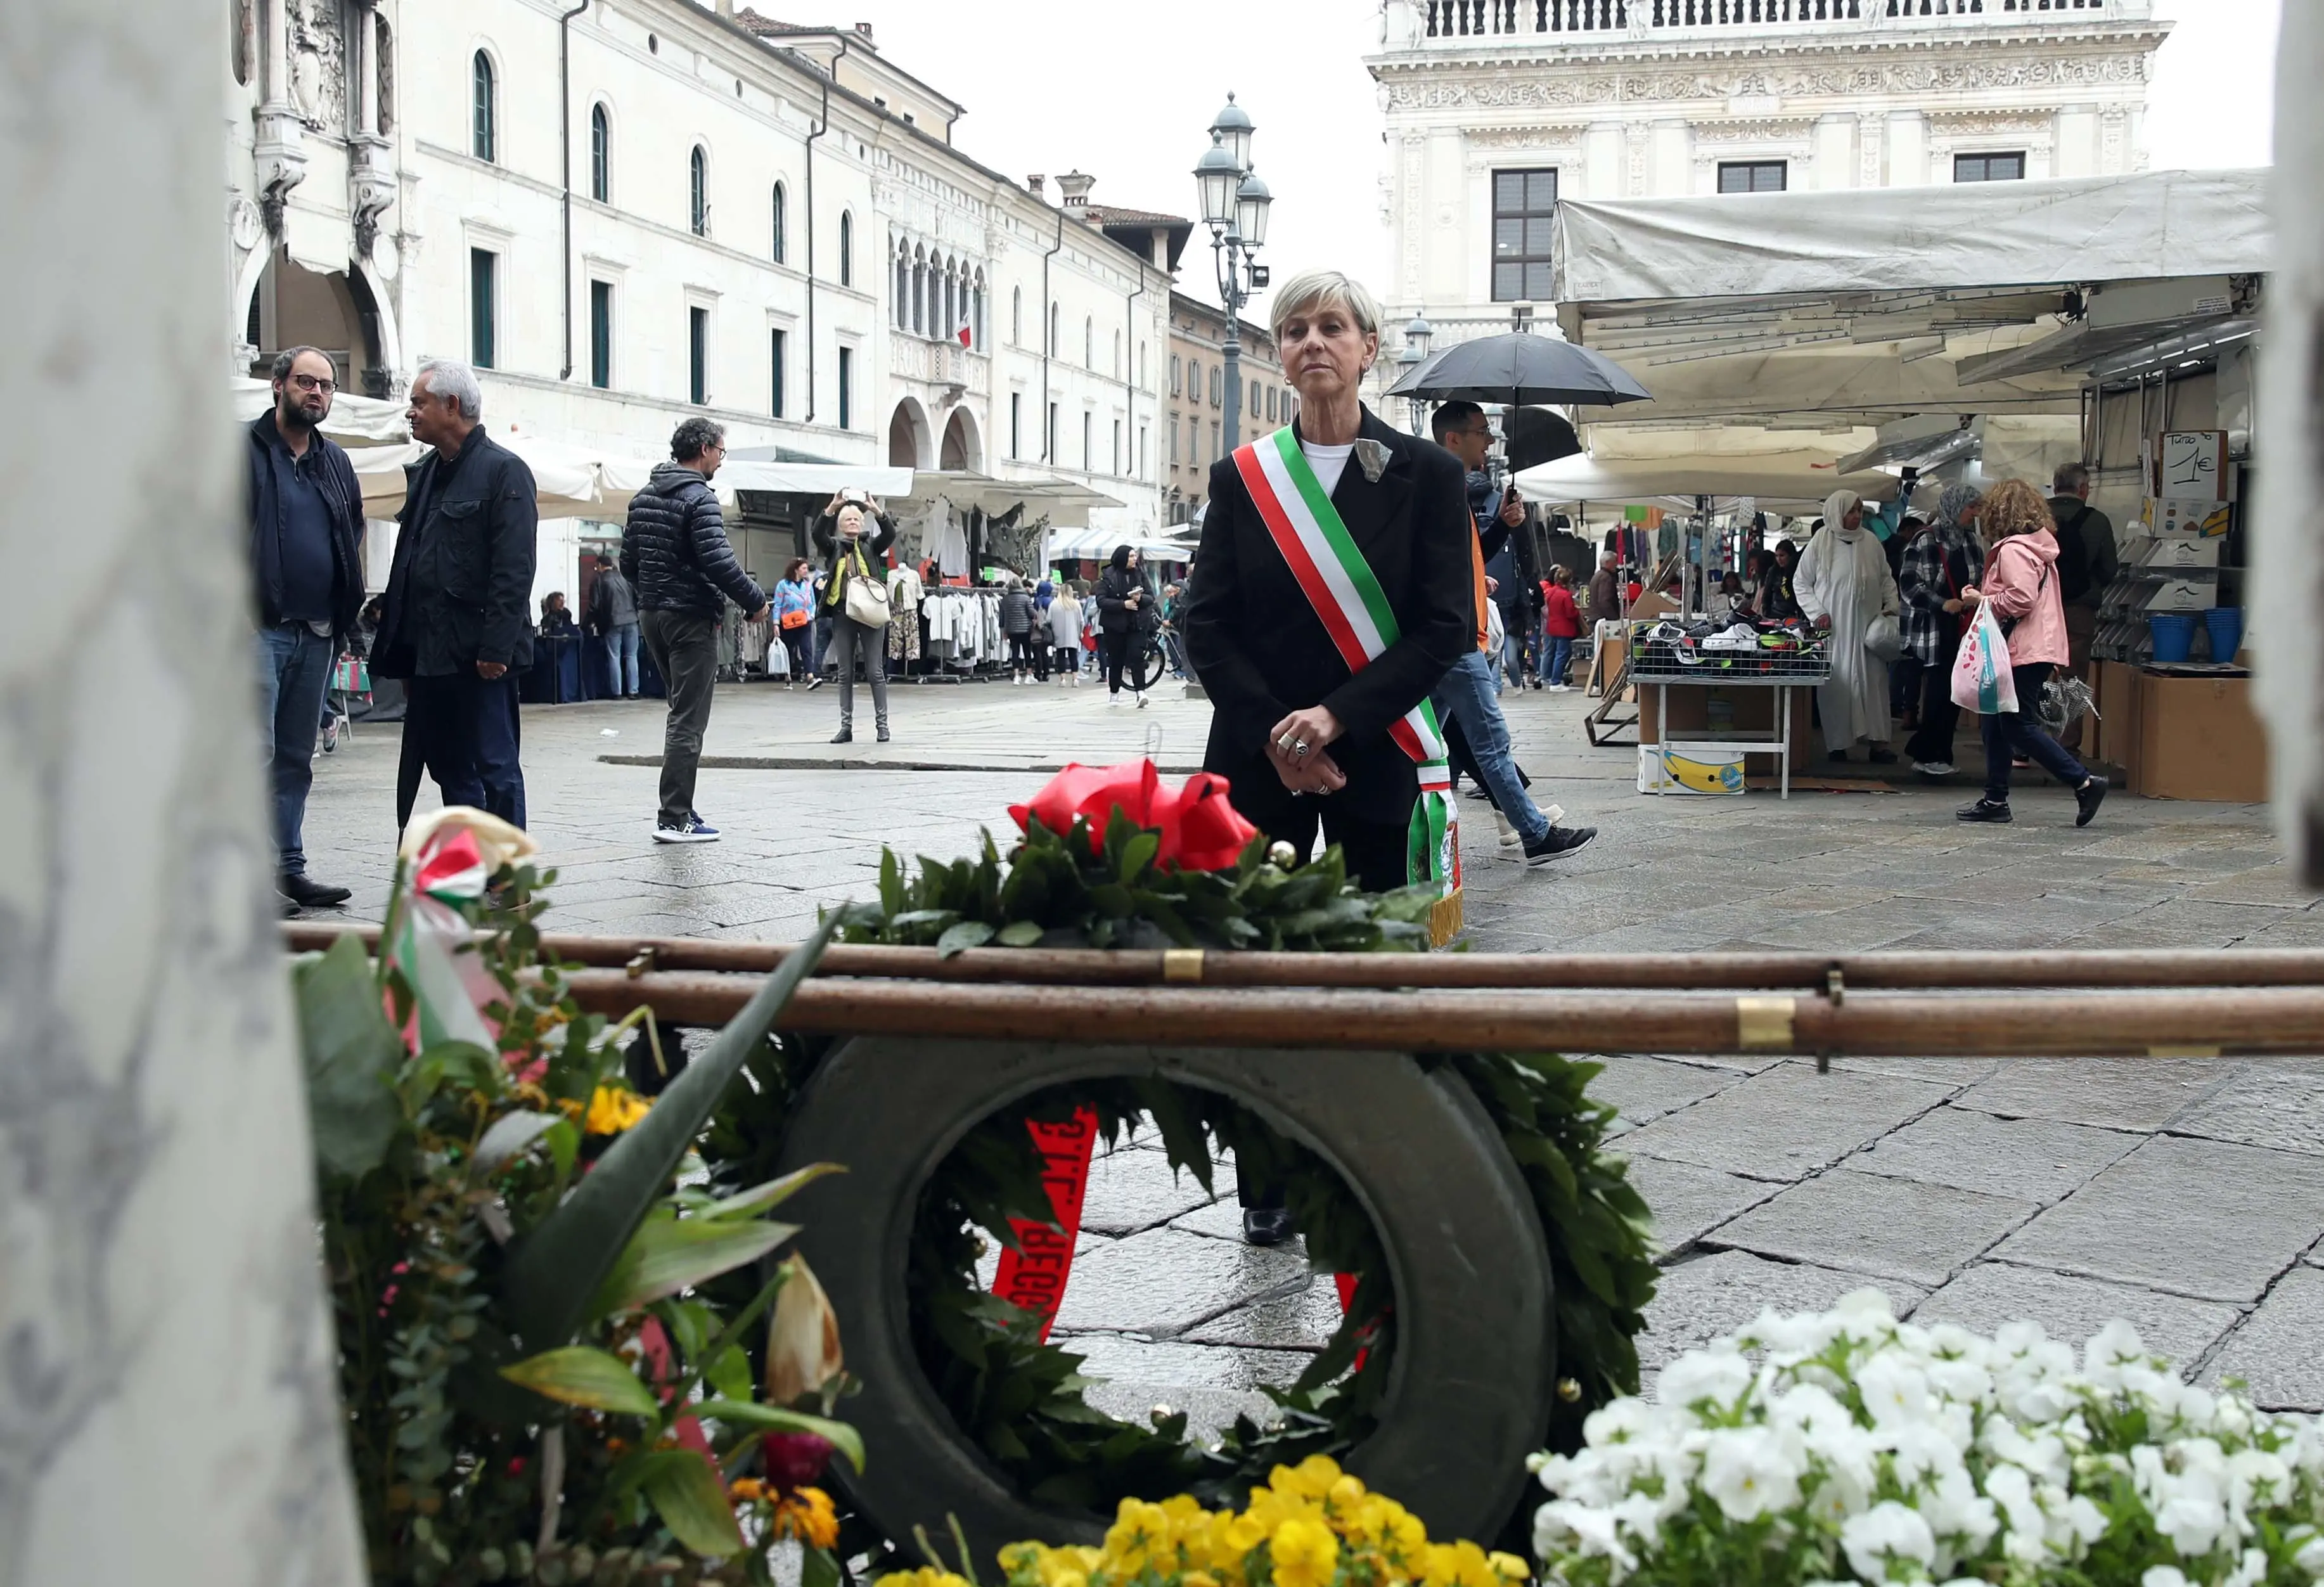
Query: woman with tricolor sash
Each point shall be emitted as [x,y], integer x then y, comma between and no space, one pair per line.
[1334,595]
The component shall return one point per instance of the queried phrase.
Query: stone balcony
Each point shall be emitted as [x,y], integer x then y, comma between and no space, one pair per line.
[938,363]
[1425,24]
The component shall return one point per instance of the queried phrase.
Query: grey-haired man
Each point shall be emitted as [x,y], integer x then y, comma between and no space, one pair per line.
[457,622]
[306,558]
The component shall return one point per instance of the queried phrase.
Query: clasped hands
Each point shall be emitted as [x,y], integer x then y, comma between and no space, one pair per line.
[1295,748]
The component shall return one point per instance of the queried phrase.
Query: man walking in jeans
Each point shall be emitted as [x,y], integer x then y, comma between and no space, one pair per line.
[1468,693]
[675,552]
[306,554]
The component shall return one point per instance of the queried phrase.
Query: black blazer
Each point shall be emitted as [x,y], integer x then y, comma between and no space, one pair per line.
[1262,652]
[476,550]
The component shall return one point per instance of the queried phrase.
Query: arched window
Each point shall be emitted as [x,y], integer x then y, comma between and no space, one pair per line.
[847,249]
[976,312]
[919,290]
[1016,317]
[600,154]
[1089,343]
[1117,354]
[950,328]
[697,170]
[783,225]
[485,144]
[900,311]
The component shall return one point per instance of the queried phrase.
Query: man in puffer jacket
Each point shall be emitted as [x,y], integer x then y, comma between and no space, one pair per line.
[675,553]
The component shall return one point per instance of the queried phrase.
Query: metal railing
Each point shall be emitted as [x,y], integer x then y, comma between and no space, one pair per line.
[1468,19]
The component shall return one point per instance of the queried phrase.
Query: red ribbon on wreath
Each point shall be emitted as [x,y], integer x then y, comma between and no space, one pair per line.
[1201,830]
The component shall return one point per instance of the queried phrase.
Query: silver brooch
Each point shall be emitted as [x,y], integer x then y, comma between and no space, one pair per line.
[1373,456]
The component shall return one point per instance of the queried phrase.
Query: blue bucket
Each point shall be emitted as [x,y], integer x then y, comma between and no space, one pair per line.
[2174,634]
[2227,626]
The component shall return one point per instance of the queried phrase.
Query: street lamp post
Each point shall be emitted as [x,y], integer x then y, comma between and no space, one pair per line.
[1234,207]
[1416,332]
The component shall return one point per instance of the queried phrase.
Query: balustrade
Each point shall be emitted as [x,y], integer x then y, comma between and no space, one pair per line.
[1467,19]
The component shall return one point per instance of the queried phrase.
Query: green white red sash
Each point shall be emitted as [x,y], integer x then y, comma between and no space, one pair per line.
[1348,598]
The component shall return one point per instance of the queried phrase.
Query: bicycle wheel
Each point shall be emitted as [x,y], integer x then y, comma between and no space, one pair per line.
[1147,666]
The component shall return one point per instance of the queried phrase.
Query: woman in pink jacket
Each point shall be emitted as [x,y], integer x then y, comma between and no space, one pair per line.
[2021,582]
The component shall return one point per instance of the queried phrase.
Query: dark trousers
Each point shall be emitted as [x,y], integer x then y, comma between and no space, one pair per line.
[795,642]
[1117,649]
[684,646]
[1375,853]
[1940,717]
[1024,656]
[2010,734]
[463,730]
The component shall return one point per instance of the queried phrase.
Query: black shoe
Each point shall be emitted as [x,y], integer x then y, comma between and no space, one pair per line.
[1986,810]
[1880,757]
[1267,1225]
[845,735]
[2088,799]
[815,683]
[295,886]
[1838,757]
[1559,842]
[883,733]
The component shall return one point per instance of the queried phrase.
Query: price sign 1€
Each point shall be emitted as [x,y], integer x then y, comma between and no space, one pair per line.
[2193,466]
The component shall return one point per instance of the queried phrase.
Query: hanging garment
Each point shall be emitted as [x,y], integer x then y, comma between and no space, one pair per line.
[1843,575]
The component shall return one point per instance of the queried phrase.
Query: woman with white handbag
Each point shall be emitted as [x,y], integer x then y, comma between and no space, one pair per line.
[857,601]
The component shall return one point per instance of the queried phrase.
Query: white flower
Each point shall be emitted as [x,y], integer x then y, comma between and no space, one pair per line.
[1958,1513]
[2110,1349]
[2249,1571]
[1746,1471]
[1888,1542]
[2163,1576]
[1791,1338]
[2310,1556]
[1922,1452]
[1561,1523]
[1895,1391]
[1719,1375]
[1866,1314]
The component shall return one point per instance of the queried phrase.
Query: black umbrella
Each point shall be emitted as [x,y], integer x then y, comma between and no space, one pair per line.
[1519,367]
[1537,435]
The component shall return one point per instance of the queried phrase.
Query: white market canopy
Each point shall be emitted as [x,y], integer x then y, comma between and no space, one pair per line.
[1862,304]
[355,422]
[1778,480]
[1097,545]
[1064,504]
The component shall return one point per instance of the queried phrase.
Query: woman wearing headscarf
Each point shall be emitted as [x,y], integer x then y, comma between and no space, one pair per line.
[1129,614]
[1938,564]
[1843,583]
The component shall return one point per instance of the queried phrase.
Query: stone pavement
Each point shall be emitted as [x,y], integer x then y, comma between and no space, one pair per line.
[2185,1195]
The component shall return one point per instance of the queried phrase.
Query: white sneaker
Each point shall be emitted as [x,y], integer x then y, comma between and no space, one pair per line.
[1934,768]
[1510,837]
[1141,698]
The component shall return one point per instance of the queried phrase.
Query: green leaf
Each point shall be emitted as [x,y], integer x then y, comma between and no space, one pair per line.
[556,1270]
[352,1052]
[511,1136]
[892,883]
[1020,933]
[745,1413]
[666,1257]
[772,1194]
[686,1494]
[593,1379]
[730,1374]
[1137,854]
[960,938]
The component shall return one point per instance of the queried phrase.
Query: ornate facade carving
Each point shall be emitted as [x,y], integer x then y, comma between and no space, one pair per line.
[1771,129]
[1526,137]
[1974,123]
[318,64]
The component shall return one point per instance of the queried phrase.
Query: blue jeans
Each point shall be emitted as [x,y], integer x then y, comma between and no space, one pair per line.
[1467,695]
[294,666]
[465,732]
[1560,659]
[1513,650]
[622,657]
[2009,734]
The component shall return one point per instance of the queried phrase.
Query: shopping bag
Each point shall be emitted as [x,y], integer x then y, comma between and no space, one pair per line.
[1981,676]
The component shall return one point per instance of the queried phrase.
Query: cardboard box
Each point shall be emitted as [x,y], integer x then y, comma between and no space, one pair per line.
[1691,770]
[2117,685]
[1745,710]
[2198,739]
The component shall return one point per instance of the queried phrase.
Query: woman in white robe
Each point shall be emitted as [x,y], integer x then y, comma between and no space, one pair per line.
[1843,583]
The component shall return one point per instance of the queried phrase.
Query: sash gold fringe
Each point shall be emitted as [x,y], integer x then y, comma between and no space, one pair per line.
[1444,919]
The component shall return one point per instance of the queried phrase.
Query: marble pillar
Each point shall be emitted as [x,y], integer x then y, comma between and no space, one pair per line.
[168,1413]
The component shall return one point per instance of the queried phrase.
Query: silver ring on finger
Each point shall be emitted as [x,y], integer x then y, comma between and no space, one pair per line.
[1299,747]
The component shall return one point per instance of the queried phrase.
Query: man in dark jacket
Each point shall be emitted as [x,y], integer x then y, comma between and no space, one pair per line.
[306,554]
[2087,563]
[674,550]
[457,623]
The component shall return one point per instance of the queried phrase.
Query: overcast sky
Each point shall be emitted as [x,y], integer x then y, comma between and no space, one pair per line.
[1126,93]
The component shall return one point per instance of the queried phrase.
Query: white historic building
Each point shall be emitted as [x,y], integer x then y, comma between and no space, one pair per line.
[1497,109]
[626,211]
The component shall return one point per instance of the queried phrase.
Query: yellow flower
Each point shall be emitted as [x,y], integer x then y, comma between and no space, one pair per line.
[746,1490]
[1139,1537]
[1231,1537]
[612,1111]
[1461,1564]
[1311,1478]
[808,1516]
[1305,1553]
[923,1577]
[1509,1565]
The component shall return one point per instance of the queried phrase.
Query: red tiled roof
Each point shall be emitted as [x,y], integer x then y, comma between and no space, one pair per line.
[1107,215]
[767,27]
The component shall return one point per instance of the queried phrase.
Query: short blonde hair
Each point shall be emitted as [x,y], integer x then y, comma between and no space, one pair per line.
[1311,289]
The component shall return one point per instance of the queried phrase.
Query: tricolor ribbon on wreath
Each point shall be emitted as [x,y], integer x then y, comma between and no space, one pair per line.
[448,855]
[1347,597]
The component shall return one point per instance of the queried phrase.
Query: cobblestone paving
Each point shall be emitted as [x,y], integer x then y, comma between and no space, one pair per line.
[2186,1195]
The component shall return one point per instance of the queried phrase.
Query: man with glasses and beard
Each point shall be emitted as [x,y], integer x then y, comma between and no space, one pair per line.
[306,557]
